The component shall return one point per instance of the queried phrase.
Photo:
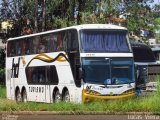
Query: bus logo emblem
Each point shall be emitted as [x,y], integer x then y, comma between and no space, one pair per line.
[15,69]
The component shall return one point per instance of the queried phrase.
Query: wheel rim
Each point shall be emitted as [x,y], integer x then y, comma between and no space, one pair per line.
[18,97]
[66,97]
[57,97]
[24,96]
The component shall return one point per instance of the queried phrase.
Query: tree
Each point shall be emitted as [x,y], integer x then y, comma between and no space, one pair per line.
[138,14]
[42,15]
[18,12]
[157,24]
[156,10]
[156,16]
[2,65]
[101,11]
[36,15]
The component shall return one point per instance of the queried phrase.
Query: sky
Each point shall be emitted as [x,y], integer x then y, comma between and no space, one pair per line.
[155,2]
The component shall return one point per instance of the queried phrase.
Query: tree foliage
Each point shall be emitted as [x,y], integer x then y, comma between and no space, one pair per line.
[52,14]
[138,14]
[29,14]
[2,65]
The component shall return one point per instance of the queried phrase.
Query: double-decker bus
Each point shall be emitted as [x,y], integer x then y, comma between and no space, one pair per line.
[79,64]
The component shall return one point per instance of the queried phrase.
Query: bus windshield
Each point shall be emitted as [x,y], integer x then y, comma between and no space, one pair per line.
[104,41]
[108,71]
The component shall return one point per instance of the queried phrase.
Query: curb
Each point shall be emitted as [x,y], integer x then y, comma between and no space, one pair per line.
[74,113]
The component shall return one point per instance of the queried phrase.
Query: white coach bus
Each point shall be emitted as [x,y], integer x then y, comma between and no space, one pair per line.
[79,64]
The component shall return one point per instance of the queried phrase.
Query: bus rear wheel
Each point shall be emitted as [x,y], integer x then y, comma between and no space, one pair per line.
[18,96]
[56,97]
[24,96]
[66,97]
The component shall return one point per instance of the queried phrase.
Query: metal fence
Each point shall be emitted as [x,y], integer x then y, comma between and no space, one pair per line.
[153,72]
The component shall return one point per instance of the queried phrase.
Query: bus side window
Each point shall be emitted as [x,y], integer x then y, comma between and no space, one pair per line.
[52,75]
[52,42]
[29,74]
[74,40]
[42,47]
[65,39]
[31,46]
[18,47]
[36,40]
[9,47]
[23,47]
[47,38]
[59,41]
[27,50]
[69,42]
[13,49]
[41,74]
[35,74]
[55,38]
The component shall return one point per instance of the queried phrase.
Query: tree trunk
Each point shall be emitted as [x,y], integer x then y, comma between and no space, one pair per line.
[43,14]
[35,17]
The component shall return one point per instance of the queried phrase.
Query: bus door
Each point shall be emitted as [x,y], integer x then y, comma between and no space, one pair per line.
[51,80]
[47,93]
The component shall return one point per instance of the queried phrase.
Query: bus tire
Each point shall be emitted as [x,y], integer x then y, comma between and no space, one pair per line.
[56,96]
[18,96]
[66,96]
[24,96]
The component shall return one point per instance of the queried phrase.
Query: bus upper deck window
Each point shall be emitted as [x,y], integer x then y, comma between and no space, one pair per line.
[59,42]
[18,47]
[12,53]
[9,49]
[41,48]
[52,42]
[27,50]
[36,44]
[74,40]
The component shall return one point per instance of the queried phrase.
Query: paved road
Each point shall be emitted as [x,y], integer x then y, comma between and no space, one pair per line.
[79,117]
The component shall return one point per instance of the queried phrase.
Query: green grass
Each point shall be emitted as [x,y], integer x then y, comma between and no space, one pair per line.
[136,104]
[146,104]
[2,91]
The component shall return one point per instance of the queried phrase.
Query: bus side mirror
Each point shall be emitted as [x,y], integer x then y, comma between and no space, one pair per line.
[81,73]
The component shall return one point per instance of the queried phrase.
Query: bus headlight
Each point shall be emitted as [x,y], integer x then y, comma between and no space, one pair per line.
[92,92]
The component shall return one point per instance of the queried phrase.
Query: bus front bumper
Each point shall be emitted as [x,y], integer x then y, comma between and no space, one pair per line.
[91,97]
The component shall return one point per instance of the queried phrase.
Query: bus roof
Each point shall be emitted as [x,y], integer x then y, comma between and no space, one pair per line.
[78,27]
